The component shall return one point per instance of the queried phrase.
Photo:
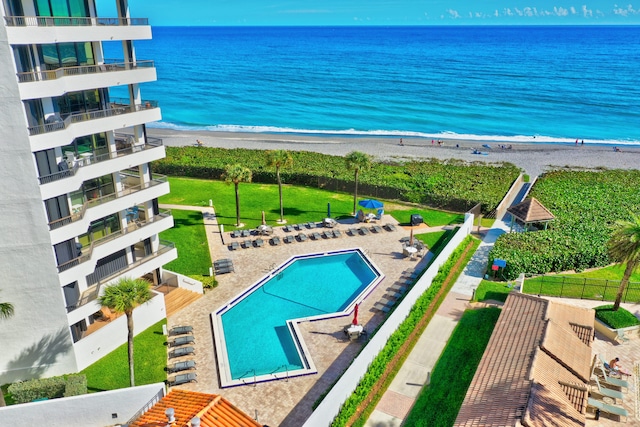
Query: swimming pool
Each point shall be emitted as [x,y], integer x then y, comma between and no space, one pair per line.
[256,334]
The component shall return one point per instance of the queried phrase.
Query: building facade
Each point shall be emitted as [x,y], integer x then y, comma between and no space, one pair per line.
[78,200]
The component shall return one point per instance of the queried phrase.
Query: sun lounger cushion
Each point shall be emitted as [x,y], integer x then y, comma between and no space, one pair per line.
[315,236]
[337,233]
[182,366]
[247,244]
[289,239]
[605,407]
[390,227]
[258,243]
[382,307]
[181,330]
[364,231]
[182,379]
[182,351]
[186,339]
[234,246]
[275,241]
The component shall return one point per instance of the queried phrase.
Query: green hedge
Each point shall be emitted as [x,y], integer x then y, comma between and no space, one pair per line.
[452,185]
[48,388]
[397,339]
[586,204]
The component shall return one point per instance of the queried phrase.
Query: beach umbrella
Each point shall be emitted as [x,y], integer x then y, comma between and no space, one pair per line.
[264,221]
[355,315]
[371,204]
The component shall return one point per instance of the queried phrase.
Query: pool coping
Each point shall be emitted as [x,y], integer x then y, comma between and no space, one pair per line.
[309,368]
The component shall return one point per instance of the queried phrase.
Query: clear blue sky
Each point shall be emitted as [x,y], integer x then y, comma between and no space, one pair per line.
[382,12]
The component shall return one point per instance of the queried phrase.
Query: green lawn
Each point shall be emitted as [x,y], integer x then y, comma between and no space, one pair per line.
[437,240]
[190,238]
[439,402]
[150,360]
[492,290]
[621,318]
[432,217]
[301,204]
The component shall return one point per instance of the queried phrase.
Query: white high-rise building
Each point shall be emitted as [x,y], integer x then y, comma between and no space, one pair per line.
[78,199]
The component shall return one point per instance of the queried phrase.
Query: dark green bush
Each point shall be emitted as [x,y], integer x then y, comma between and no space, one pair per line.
[45,388]
[76,385]
[586,204]
[451,185]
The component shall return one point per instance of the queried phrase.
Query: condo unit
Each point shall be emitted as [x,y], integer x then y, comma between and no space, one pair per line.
[79,199]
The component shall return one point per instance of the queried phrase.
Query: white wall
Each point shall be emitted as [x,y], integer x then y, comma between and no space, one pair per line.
[106,339]
[36,341]
[182,281]
[89,410]
[331,404]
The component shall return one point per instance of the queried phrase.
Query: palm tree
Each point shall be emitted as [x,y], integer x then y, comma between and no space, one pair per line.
[279,159]
[123,297]
[6,310]
[237,174]
[357,162]
[624,247]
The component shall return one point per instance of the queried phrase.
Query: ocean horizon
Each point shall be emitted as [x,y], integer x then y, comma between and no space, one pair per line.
[522,84]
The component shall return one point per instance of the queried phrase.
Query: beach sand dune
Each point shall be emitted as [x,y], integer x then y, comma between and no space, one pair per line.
[534,159]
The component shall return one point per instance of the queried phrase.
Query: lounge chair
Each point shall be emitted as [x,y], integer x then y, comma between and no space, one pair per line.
[235,233]
[609,409]
[181,330]
[379,214]
[383,305]
[390,227]
[612,381]
[185,339]
[222,261]
[298,227]
[224,269]
[182,366]
[327,234]
[607,392]
[247,244]
[364,231]
[311,225]
[398,288]
[275,241]
[258,243]
[245,233]
[376,229]
[352,232]
[289,239]
[288,228]
[336,234]
[315,236]
[183,379]
[182,351]
[360,216]
[302,237]
[234,246]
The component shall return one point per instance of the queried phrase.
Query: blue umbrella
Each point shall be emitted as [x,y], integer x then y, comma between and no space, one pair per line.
[370,204]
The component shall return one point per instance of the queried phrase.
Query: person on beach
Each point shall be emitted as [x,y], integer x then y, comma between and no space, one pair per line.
[199,143]
[401,141]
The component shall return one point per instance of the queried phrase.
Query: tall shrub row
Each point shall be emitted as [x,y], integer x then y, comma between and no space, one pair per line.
[585,204]
[452,185]
[48,388]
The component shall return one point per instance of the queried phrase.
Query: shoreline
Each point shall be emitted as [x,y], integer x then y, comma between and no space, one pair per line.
[533,158]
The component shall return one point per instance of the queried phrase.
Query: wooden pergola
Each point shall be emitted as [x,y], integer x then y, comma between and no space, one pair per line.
[530,211]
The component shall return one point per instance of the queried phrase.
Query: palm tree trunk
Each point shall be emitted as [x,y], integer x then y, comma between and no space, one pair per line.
[280,193]
[355,193]
[129,315]
[237,204]
[623,284]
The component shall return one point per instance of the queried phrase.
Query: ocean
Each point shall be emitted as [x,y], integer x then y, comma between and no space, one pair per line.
[533,84]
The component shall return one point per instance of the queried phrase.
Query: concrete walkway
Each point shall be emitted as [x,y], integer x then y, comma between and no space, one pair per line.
[416,370]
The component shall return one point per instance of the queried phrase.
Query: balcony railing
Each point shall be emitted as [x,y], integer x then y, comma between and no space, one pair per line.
[97,158]
[92,293]
[88,251]
[35,76]
[126,190]
[115,109]
[61,21]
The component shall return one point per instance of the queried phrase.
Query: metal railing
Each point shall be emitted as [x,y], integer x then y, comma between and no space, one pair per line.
[35,76]
[97,158]
[88,251]
[581,287]
[116,108]
[63,21]
[126,190]
[91,294]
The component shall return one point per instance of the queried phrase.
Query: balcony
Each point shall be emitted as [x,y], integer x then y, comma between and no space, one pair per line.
[88,160]
[52,83]
[81,210]
[92,293]
[116,108]
[87,253]
[43,29]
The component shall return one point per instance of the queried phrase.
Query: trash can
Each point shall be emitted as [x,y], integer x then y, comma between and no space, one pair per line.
[416,219]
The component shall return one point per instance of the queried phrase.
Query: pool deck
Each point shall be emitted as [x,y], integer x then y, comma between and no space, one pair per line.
[288,402]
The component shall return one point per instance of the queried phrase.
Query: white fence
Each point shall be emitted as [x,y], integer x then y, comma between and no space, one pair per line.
[181,281]
[107,408]
[331,404]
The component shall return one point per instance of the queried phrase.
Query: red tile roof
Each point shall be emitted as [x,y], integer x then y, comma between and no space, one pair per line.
[213,411]
[531,210]
[534,369]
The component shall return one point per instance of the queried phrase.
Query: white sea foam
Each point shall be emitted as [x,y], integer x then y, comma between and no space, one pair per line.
[531,139]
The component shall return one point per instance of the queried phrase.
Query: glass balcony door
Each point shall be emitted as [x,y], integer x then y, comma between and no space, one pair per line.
[63,8]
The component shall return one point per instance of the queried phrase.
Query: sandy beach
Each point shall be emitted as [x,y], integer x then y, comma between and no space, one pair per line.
[534,159]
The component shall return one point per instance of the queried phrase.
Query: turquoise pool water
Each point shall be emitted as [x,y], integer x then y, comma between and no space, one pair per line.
[258,339]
